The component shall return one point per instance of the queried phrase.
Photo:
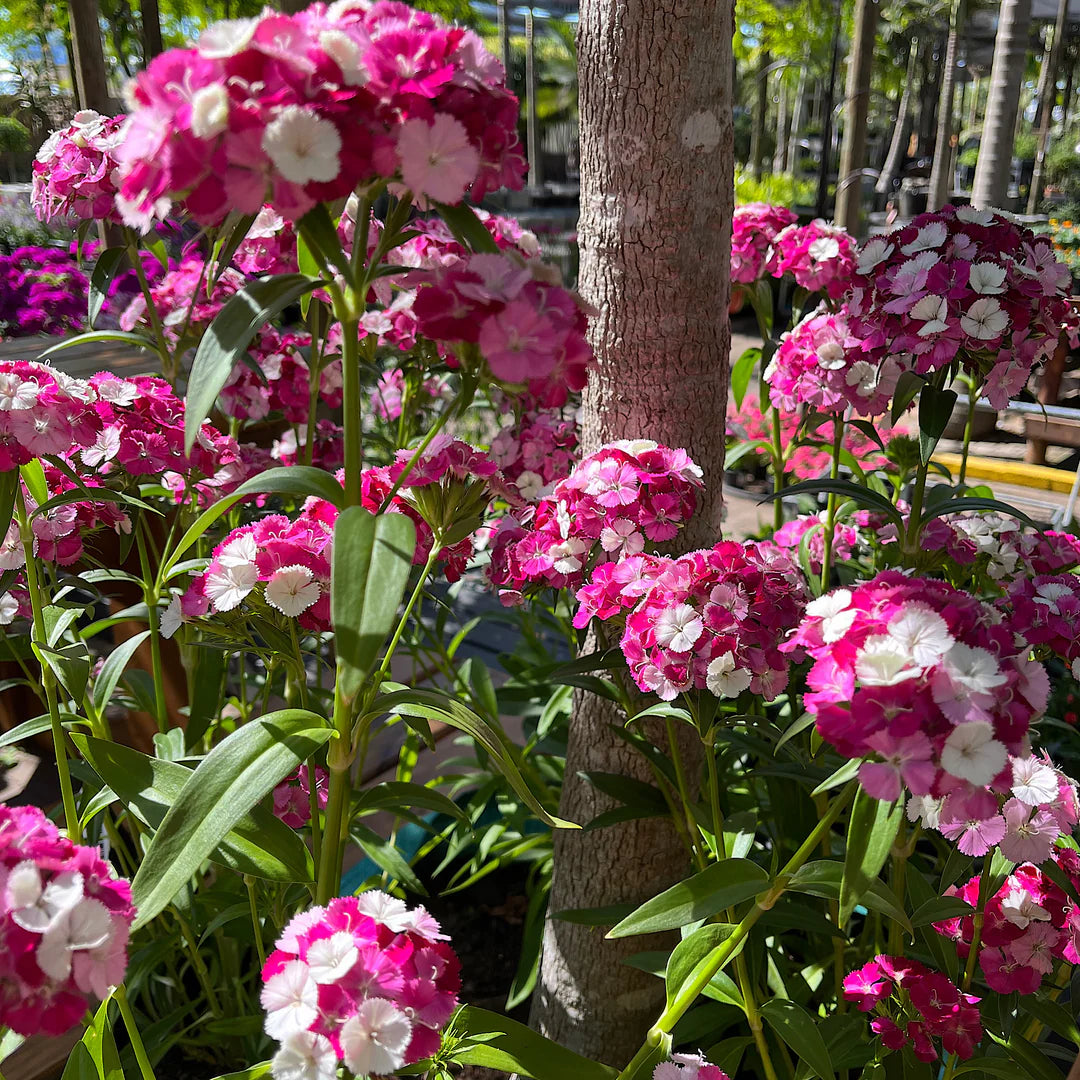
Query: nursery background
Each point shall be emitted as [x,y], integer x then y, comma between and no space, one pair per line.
[539,541]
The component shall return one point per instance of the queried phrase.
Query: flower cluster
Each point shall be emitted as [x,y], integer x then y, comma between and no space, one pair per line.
[790,537]
[64,923]
[915,1005]
[536,449]
[292,797]
[713,620]
[608,507]
[1027,924]
[363,982]
[269,247]
[819,256]
[1044,610]
[926,679]
[42,291]
[530,330]
[327,452]
[688,1067]
[43,411]
[961,283]
[393,390]
[15,603]
[754,228]
[819,363]
[301,109]
[75,170]
[1037,805]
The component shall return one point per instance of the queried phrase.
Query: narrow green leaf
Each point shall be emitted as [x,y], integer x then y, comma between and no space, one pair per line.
[872,828]
[71,665]
[373,551]
[33,476]
[741,373]
[240,771]
[935,411]
[113,668]
[254,1072]
[706,893]
[956,506]
[386,857]
[124,337]
[696,952]
[228,336]
[907,386]
[823,879]
[467,227]
[861,495]
[108,262]
[35,726]
[796,1027]
[230,237]
[940,908]
[397,795]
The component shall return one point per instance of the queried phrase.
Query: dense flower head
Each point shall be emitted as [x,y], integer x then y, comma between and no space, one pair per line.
[43,411]
[292,797]
[614,501]
[283,381]
[688,1067]
[1031,807]
[713,620]
[328,451]
[915,1005]
[754,228]
[1045,610]
[819,256]
[64,924]
[269,247]
[1027,924]
[75,170]
[299,109]
[395,390]
[819,363]
[15,602]
[961,284]
[42,291]
[364,982]
[924,678]
[537,448]
[529,329]
[790,536]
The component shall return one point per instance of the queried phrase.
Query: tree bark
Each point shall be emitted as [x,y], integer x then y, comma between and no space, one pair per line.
[1047,100]
[827,115]
[87,56]
[151,29]
[856,108]
[941,179]
[656,201]
[899,141]
[991,187]
[757,133]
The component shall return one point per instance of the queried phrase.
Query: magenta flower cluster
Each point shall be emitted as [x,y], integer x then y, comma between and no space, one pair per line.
[819,256]
[529,330]
[961,284]
[917,1006]
[925,679]
[711,620]
[364,982]
[536,449]
[1045,611]
[42,291]
[75,170]
[292,797]
[688,1067]
[811,528]
[64,924]
[754,228]
[1027,924]
[300,109]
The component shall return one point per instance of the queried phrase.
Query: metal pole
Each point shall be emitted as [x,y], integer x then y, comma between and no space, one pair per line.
[827,119]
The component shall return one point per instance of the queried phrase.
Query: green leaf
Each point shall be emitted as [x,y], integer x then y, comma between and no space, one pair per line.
[113,668]
[861,495]
[935,411]
[320,235]
[96,336]
[71,665]
[35,726]
[9,482]
[386,857]
[707,892]
[10,1041]
[370,567]
[1050,1014]
[736,453]
[253,1072]
[240,771]
[697,952]
[1030,1057]
[258,843]
[230,237]
[100,1042]
[741,373]
[940,908]
[468,228]
[33,476]
[227,338]
[872,829]
[607,915]
[80,1065]
[108,262]
[997,1067]
[907,386]
[796,1027]
[396,795]
[848,771]
[496,1042]
[869,431]
[823,879]
[955,506]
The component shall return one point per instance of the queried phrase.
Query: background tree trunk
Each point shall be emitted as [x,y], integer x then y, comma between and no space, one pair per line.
[797,111]
[656,201]
[88,58]
[151,29]
[895,156]
[1047,101]
[761,109]
[991,187]
[941,179]
[856,107]
[779,161]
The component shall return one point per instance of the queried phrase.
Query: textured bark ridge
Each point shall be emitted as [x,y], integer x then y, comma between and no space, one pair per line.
[655,230]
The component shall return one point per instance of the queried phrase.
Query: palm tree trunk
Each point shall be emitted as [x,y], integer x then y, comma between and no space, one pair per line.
[991,187]
[900,129]
[1047,100]
[655,253]
[856,107]
[941,178]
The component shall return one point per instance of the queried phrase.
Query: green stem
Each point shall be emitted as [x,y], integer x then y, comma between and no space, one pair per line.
[719,845]
[684,793]
[778,470]
[440,422]
[911,537]
[973,398]
[704,973]
[414,599]
[146,1070]
[830,513]
[167,359]
[350,405]
[201,972]
[150,596]
[48,679]
[753,1017]
[256,923]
